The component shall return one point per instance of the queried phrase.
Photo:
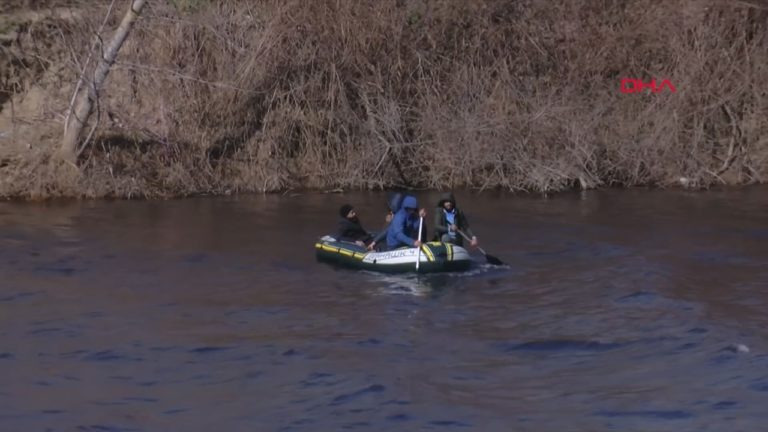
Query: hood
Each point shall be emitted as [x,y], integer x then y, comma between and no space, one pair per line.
[448,196]
[410,201]
[395,201]
[344,210]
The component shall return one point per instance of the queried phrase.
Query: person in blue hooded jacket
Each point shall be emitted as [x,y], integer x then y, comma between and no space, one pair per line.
[404,229]
[395,201]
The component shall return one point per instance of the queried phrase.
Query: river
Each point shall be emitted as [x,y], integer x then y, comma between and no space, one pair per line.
[618,310]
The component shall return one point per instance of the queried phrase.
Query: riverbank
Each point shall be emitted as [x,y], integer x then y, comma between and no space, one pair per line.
[237,98]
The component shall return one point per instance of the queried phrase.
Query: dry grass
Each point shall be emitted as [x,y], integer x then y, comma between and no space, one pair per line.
[219,97]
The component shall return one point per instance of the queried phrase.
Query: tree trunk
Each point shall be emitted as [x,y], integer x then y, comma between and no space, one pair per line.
[88,95]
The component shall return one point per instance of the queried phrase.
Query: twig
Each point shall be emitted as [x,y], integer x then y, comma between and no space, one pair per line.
[381,161]
[736,132]
[135,66]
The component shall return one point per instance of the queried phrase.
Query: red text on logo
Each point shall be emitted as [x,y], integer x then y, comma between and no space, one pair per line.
[633,85]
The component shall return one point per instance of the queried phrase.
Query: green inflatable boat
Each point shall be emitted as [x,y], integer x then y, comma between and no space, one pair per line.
[433,257]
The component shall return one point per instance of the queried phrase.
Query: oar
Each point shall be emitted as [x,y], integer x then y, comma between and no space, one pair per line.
[418,254]
[490,258]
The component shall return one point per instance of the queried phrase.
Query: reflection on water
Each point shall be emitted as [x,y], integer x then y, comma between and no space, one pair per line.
[619,310]
[431,284]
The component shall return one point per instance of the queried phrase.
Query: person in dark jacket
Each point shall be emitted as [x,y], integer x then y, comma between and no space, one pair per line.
[449,219]
[404,228]
[395,201]
[350,228]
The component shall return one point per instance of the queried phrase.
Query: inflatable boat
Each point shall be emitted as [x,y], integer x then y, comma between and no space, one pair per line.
[434,257]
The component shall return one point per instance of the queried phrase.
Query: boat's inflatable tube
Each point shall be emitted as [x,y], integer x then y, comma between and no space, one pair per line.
[435,257]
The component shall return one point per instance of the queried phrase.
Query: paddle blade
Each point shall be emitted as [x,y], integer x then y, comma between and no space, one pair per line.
[493,260]
[490,258]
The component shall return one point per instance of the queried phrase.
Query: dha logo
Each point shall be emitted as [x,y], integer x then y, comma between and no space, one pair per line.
[633,85]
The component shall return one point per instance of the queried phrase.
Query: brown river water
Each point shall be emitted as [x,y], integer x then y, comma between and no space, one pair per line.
[626,310]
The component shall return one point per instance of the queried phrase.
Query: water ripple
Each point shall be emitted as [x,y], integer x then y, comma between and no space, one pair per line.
[345,398]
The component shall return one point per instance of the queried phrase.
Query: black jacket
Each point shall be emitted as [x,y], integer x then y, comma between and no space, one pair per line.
[441,224]
[350,231]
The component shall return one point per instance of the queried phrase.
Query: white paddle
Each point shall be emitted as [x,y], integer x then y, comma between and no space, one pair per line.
[418,236]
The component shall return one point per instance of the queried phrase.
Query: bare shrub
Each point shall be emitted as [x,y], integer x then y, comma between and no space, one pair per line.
[243,96]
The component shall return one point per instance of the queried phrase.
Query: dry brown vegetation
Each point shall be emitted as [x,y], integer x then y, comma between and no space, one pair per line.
[236,96]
